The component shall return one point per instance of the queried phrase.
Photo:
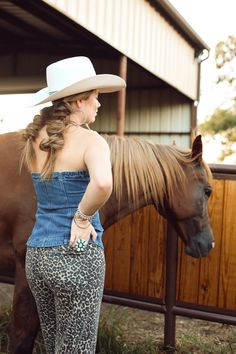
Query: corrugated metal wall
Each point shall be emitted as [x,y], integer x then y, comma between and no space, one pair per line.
[137,30]
[162,116]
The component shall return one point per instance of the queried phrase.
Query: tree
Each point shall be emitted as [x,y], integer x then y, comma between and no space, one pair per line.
[225,58]
[223,121]
[220,121]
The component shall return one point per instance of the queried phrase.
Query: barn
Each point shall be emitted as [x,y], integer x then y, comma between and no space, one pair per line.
[147,42]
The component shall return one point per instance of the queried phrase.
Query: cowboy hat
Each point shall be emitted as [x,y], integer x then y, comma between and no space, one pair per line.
[75,75]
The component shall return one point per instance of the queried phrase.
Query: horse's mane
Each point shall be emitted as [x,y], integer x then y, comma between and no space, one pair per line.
[148,167]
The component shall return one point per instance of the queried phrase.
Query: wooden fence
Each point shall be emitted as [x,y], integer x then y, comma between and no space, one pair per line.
[137,260]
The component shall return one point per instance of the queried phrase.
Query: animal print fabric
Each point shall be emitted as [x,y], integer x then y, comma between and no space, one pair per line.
[68,288]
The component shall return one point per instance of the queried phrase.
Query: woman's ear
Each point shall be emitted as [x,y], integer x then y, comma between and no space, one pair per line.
[79,103]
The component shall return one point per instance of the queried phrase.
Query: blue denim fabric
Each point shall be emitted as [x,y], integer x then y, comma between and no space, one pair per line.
[57,201]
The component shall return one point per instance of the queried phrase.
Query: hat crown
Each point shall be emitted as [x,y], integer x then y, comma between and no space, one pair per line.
[72,76]
[66,72]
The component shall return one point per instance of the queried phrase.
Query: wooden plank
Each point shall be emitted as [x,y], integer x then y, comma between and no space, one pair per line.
[210,266]
[156,254]
[108,240]
[139,252]
[227,276]
[121,256]
[188,278]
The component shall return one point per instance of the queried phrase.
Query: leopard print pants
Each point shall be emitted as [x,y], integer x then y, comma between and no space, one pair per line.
[67,287]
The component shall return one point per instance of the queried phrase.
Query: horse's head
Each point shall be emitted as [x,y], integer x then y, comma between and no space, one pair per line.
[175,181]
[188,209]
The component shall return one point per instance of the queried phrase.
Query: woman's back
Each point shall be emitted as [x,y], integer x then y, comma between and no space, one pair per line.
[57,201]
[59,196]
[71,156]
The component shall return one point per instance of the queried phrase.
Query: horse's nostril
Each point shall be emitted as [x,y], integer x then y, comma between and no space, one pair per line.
[213,244]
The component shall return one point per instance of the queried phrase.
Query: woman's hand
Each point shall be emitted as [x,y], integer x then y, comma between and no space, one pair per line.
[81,233]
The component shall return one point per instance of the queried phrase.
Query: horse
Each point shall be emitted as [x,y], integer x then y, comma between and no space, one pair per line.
[176,182]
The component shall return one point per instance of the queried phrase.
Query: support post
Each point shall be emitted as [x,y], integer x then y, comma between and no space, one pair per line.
[121,97]
[170,288]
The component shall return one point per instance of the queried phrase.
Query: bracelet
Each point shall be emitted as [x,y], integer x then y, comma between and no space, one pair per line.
[79,225]
[82,216]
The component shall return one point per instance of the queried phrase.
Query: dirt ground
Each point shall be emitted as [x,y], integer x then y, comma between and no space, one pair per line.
[139,325]
[6,294]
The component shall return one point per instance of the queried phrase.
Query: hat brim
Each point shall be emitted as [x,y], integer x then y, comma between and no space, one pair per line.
[105,83]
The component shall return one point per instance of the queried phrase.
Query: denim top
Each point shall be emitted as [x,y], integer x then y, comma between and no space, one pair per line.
[57,201]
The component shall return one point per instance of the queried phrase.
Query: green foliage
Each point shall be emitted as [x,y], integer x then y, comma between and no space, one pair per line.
[225,51]
[225,58]
[221,120]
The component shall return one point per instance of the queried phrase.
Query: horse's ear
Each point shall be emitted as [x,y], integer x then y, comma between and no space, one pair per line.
[197,147]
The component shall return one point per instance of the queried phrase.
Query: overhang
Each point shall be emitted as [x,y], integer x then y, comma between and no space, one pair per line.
[35,29]
[180,24]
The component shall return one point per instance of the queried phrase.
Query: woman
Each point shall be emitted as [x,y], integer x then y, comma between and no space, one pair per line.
[71,172]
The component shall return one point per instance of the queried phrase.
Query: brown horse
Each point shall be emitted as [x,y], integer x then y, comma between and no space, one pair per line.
[175,181]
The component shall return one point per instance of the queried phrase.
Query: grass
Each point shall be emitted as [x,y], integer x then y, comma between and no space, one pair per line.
[203,345]
[111,338]
[4,330]
[114,337]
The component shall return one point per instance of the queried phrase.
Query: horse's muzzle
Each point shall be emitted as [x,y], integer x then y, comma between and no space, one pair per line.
[200,245]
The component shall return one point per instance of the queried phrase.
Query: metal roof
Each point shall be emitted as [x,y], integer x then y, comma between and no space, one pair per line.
[178,21]
[38,25]
[35,27]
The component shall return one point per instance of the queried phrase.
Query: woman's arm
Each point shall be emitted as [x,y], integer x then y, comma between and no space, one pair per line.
[97,161]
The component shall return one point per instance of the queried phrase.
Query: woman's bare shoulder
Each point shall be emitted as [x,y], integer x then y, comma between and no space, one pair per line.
[94,137]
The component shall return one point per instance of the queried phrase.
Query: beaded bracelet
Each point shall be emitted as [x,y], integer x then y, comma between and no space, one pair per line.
[82,216]
[79,225]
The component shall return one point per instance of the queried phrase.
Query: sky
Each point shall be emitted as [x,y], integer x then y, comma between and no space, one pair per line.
[213,20]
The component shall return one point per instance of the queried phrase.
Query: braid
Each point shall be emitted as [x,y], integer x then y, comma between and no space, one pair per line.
[55,118]
[29,134]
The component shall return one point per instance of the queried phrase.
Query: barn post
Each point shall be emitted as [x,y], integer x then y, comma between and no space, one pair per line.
[170,288]
[121,97]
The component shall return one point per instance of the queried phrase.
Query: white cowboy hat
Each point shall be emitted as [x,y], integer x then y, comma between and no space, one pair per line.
[74,75]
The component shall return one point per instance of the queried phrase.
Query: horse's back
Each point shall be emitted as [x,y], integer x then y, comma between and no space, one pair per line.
[15,184]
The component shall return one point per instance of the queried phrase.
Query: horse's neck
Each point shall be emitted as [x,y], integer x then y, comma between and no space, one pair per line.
[113,211]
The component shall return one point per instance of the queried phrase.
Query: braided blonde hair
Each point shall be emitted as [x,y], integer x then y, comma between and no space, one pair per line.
[55,118]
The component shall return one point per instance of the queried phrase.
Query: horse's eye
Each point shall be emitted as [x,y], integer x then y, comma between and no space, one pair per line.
[208,191]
